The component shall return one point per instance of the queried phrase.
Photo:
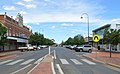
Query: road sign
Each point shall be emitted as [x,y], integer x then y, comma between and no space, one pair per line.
[96,38]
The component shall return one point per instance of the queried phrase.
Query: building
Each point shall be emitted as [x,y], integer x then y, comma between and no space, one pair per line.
[17,33]
[100,31]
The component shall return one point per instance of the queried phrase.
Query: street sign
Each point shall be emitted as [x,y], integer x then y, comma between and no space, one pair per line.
[96,38]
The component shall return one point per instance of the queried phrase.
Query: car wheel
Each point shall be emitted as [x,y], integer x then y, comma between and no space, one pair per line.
[81,50]
[89,50]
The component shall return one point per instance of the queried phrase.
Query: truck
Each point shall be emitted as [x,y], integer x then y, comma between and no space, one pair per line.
[28,47]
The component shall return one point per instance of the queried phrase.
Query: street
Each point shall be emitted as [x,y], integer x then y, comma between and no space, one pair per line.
[66,61]
[70,63]
[23,62]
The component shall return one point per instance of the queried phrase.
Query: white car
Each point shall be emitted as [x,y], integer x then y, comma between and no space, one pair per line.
[84,48]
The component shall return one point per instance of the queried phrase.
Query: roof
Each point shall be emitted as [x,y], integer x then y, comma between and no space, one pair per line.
[108,25]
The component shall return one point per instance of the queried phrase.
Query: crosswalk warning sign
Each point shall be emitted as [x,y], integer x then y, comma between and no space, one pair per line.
[96,38]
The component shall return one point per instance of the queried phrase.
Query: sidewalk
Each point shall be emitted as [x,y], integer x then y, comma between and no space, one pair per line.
[104,57]
[44,67]
[7,54]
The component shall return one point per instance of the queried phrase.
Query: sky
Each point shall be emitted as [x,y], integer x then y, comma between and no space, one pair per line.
[61,19]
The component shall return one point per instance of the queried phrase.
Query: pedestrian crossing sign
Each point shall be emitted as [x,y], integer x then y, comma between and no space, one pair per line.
[96,38]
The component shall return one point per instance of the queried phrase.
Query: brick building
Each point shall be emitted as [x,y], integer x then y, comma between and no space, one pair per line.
[17,33]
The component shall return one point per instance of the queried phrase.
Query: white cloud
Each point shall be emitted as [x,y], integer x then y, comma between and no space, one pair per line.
[28,6]
[64,24]
[20,3]
[28,0]
[47,0]
[9,8]
[23,12]
[53,27]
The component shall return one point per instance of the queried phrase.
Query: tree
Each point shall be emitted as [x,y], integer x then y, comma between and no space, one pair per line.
[38,39]
[69,41]
[112,37]
[77,40]
[3,31]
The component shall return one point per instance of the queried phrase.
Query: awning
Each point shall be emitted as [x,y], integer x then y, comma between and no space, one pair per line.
[18,39]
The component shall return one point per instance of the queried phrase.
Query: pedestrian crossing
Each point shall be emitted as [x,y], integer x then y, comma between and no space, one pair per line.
[77,62]
[20,62]
[36,61]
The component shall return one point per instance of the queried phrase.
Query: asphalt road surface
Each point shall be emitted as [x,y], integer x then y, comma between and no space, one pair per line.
[70,62]
[66,61]
[23,62]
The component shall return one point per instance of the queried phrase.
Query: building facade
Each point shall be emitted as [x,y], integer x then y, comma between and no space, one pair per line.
[17,33]
[101,31]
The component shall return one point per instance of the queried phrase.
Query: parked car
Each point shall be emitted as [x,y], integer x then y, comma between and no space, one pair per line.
[81,48]
[72,47]
[28,47]
[42,46]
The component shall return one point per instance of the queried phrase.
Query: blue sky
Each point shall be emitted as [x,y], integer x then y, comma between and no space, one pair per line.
[60,19]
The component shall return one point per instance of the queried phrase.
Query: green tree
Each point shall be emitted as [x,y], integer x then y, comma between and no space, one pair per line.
[77,40]
[38,39]
[70,41]
[3,31]
[112,37]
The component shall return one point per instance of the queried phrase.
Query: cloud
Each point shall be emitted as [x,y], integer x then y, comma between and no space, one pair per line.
[53,27]
[28,6]
[64,24]
[28,0]
[47,0]
[9,8]
[23,12]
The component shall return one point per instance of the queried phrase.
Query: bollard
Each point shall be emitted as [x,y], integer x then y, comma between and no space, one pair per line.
[49,50]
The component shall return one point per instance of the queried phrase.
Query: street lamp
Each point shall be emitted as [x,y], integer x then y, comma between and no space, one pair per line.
[87,23]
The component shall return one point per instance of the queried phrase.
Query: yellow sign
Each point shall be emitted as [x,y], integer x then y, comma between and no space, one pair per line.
[96,38]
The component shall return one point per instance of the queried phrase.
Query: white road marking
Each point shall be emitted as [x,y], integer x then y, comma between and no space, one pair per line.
[63,61]
[54,54]
[28,61]
[53,70]
[5,62]
[14,62]
[89,62]
[76,61]
[15,72]
[59,68]
[39,60]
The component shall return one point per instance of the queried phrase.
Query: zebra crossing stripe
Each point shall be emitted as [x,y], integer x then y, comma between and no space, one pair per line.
[5,62]
[28,61]
[38,61]
[89,62]
[64,61]
[14,62]
[76,61]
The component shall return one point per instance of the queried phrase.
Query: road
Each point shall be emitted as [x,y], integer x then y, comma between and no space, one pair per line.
[23,62]
[69,62]
[66,61]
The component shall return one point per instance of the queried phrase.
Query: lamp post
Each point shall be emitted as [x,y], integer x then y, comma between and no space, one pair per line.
[87,23]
